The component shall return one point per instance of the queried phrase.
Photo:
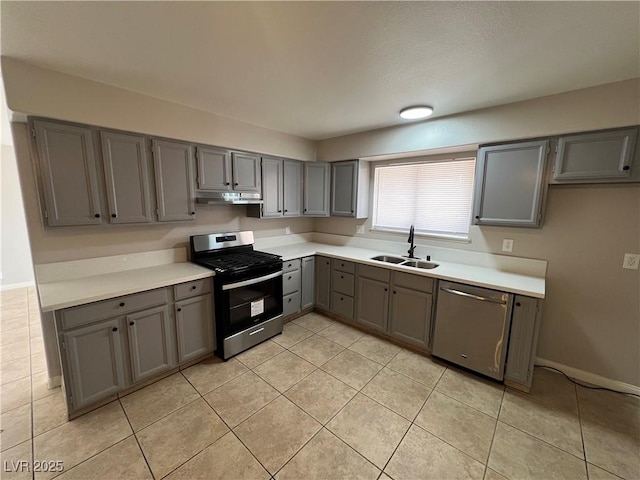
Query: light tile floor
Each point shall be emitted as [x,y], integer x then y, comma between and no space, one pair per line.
[322,400]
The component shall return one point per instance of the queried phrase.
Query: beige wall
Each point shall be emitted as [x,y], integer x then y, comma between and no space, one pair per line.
[38,91]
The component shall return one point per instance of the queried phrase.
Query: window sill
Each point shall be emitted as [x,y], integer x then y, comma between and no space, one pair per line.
[434,236]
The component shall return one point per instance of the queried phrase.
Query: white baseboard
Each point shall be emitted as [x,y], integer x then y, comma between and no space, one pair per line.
[588,377]
[13,286]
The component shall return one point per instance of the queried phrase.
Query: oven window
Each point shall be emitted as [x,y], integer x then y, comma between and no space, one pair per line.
[254,303]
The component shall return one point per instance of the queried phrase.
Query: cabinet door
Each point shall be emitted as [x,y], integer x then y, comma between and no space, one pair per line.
[316,189]
[292,188]
[246,172]
[194,325]
[150,343]
[69,174]
[593,156]
[94,358]
[410,318]
[509,184]
[323,283]
[214,169]
[343,188]
[271,187]
[308,282]
[174,180]
[523,338]
[126,173]
[372,303]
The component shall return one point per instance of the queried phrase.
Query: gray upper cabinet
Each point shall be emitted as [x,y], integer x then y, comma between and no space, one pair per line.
[150,343]
[174,180]
[246,172]
[67,164]
[272,189]
[593,157]
[292,188]
[510,184]
[350,189]
[307,284]
[126,172]
[214,169]
[194,327]
[316,187]
[95,362]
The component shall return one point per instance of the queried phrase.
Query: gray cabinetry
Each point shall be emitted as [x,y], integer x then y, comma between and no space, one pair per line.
[214,169]
[94,362]
[342,300]
[194,327]
[410,318]
[509,184]
[523,337]
[246,172]
[150,343]
[291,287]
[372,292]
[292,188]
[67,163]
[174,180]
[272,189]
[316,185]
[126,172]
[350,189]
[323,283]
[594,156]
[307,282]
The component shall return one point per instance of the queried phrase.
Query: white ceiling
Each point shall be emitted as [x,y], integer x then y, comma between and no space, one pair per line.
[324,69]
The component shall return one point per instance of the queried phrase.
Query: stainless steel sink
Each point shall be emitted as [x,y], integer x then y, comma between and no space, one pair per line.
[388,259]
[419,264]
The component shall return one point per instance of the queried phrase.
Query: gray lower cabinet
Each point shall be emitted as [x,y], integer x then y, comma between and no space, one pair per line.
[214,169]
[523,337]
[316,183]
[173,164]
[373,303]
[150,342]
[195,331]
[307,282]
[323,283]
[594,156]
[510,184]
[67,164]
[126,172]
[342,302]
[291,272]
[410,318]
[94,360]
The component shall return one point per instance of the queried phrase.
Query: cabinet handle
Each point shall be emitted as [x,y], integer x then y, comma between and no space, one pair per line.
[289,300]
[626,167]
[122,304]
[193,287]
[114,329]
[289,266]
[113,215]
[193,213]
[236,184]
[289,277]
[305,209]
[179,309]
[285,210]
[477,217]
[517,304]
[341,299]
[226,183]
[131,323]
[97,215]
[394,292]
[280,211]
[385,289]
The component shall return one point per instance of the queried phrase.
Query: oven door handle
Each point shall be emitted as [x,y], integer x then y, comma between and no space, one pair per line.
[251,281]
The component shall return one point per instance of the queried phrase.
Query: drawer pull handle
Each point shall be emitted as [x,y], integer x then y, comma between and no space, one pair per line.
[289,300]
[113,215]
[115,329]
[179,309]
[122,304]
[517,304]
[385,289]
[193,287]
[256,331]
[131,323]
[341,276]
[289,277]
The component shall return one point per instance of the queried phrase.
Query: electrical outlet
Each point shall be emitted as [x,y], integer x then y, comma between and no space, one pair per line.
[360,229]
[507,245]
[287,230]
[631,261]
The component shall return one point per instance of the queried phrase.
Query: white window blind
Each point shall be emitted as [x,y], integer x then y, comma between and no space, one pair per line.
[435,197]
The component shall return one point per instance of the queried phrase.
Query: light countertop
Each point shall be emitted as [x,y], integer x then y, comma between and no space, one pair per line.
[528,285]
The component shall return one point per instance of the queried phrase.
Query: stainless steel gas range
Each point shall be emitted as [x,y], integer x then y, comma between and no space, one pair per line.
[247,289]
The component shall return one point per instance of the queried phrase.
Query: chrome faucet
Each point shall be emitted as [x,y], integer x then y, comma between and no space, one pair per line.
[410,240]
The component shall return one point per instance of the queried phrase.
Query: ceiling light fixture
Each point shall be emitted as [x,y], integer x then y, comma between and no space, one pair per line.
[415,112]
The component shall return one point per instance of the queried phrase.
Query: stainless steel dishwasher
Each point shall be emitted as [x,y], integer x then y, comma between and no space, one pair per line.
[472,326]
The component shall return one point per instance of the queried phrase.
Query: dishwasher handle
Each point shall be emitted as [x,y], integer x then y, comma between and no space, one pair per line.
[475,297]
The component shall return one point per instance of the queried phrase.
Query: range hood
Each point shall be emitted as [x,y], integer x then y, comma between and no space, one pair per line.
[229,198]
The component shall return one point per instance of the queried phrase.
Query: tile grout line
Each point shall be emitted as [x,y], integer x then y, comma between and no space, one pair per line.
[493,437]
[584,449]
[133,432]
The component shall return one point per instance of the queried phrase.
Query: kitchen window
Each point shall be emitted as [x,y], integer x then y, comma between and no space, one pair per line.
[436,197]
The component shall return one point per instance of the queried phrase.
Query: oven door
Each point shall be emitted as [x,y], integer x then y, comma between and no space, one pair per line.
[251,301]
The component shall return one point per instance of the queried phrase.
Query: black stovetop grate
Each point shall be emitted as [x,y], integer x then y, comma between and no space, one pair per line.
[234,262]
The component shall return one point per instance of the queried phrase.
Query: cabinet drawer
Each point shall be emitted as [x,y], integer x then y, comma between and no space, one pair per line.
[290,282]
[415,282]
[374,273]
[342,282]
[192,289]
[343,265]
[291,265]
[290,304]
[85,314]
[342,305]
